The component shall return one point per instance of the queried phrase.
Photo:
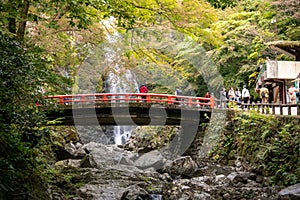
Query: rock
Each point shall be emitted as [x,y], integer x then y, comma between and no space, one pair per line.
[237,177]
[108,155]
[220,178]
[69,162]
[135,192]
[80,152]
[227,196]
[61,153]
[88,162]
[70,147]
[291,192]
[107,183]
[183,166]
[78,145]
[203,196]
[151,159]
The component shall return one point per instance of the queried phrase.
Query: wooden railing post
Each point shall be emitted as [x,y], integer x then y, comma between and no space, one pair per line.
[61,100]
[170,99]
[212,102]
[83,100]
[126,98]
[104,98]
[148,98]
[190,102]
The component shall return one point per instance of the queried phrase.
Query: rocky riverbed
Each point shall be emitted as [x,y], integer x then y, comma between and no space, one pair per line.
[110,172]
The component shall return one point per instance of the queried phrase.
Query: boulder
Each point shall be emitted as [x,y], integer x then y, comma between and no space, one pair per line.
[291,192]
[152,159]
[68,162]
[183,166]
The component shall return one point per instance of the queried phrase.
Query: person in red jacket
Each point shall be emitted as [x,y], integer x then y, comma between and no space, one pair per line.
[143,89]
[207,95]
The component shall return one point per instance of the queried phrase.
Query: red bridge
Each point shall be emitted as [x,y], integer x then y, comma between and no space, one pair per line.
[128,109]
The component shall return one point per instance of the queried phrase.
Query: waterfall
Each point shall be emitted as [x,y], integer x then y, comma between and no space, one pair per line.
[121,80]
[105,65]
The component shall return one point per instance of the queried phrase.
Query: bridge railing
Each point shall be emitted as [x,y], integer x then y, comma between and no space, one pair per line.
[131,98]
[273,108]
[263,108]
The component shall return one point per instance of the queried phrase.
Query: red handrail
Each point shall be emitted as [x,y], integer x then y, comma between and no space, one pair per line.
[133,97]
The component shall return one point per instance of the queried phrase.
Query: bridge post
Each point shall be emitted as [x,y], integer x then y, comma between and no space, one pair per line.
[170,99]
[148,98]
[61,100]
[104,98]
[83,100]
[212,102]
[190,102]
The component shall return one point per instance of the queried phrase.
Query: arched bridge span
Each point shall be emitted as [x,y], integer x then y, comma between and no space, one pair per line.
[128,109]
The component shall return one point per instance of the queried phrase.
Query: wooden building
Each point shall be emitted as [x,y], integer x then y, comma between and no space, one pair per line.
[277,75]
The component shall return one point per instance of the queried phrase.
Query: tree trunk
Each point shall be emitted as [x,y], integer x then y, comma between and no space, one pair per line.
[22,23]
[12,25]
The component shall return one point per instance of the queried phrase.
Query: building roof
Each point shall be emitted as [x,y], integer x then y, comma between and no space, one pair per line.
[297,78]
[290,48]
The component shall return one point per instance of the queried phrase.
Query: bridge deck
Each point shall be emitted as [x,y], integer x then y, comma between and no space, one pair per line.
[128,114]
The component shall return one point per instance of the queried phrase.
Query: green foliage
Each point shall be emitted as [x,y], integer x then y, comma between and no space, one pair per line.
[243,45]
[222,3]
[269,145]
[153,137]
[23,74]
[287,20]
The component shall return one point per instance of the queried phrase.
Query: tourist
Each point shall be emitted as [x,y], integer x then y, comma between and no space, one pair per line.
[223,98]
[143,89]
[178,92]
[264,94]
[245,95]
[207,95]
[231,94]
[292,93]
[238,95]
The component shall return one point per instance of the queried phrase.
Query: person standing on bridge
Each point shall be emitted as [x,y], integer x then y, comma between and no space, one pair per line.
[223,98]
[245,95]
[178,92]
[231,94]
[238,95]
[143,89]
[207,95]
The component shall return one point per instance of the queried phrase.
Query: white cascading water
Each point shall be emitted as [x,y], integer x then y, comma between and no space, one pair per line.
[119,80]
